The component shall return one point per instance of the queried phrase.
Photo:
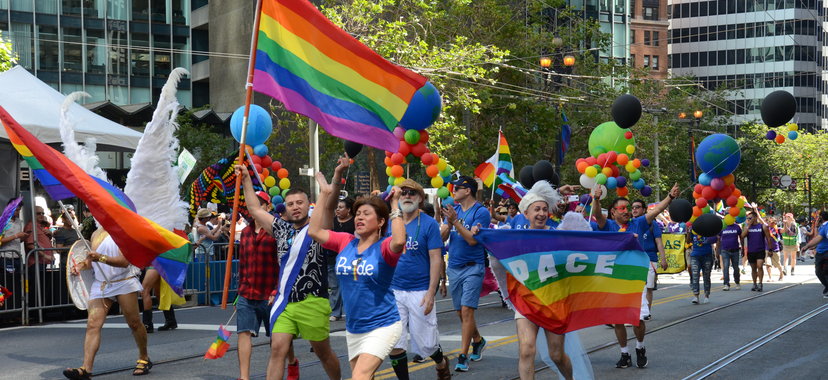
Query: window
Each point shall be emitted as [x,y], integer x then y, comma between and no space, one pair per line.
[650,13]
[646,61]
[95,52]
[632,60]
[655,39]
[632,37]
[23,43]
[647,37]
[72,49]
[655,62]
[47,48]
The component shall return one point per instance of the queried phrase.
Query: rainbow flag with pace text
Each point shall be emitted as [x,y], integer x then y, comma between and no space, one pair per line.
[139,239]
[568,280]
[318,70]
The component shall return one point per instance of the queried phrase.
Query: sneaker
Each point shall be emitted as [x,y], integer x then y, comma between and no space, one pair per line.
[293,370]
[641,357]
[694,300]
[726,288]
[332,318]
[477,350]
[462,364]
[737,287]
[759,288]
[648,317]
[706,300]
[743,271]
[625,361]
[754,288]
[417,359]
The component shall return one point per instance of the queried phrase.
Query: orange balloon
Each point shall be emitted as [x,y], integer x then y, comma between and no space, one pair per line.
[729,179]
[396,171]
[265,173]
[622,191]
[780,139]
[581,167]
[282,173]
[637,163]
[736,193]
[622,159]
[432,170]
[388,161]
[734,211]
[696,195]
[697,211]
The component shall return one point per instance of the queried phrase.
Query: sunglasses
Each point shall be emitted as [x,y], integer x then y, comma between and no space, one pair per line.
[409,192]
[622,208]
[460,187]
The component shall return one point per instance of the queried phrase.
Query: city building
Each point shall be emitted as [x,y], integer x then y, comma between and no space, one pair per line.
[648,36]
[753,47]
[614,19]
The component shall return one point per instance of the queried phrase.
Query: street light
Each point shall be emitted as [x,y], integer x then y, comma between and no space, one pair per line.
[569,61]
[545,62]
[697,115]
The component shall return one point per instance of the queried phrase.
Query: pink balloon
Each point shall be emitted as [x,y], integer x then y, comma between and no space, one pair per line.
[717,184]
[399,132]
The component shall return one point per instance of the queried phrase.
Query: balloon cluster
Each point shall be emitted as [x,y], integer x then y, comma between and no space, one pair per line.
[718,155]
[274,177]
[413,147]
[542,170]
[779,137]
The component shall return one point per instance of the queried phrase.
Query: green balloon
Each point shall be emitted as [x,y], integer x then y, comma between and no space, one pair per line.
[742,212]
[412,136]
[284,193]
[445,172]
[391,180]
[274,191]
[635,175]
[706,209]
[601,179]
[608,137]
[442,192]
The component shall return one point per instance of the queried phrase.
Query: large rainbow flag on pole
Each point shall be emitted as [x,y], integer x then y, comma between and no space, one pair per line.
[568,280]
[140,239]
[318,70]
[499,163]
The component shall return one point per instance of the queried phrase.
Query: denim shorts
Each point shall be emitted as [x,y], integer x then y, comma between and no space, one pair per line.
[250,314]
[465,284]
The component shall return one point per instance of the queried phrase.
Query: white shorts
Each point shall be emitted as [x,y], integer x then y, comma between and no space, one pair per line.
[378,342]
[113,289]
[425,338]
[651,276]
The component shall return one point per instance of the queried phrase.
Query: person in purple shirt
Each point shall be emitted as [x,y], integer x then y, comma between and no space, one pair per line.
[821,257]
[758,238]
[701,260]
[774,250]
[730,249]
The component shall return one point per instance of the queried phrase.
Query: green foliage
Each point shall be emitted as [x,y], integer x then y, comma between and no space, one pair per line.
[7,57]
[203,142]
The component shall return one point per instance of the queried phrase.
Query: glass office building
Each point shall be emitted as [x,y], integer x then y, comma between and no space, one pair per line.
[116,50]
[614,19]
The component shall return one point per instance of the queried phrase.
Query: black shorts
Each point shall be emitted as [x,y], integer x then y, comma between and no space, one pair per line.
[753,256]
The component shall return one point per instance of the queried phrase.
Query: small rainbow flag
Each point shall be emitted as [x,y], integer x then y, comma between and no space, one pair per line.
[509,188]
[568,280]
[140,239]
[500,162]
[318,70]
[220,346]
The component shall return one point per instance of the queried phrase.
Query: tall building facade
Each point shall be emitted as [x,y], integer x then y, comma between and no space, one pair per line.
[753,47]
[116,50]
[648,36]
[614,18]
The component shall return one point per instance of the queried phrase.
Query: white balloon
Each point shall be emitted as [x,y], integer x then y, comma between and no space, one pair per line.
[587,182]
[603,192]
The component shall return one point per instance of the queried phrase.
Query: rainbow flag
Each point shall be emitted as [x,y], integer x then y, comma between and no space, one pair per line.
[500,162]
[318,70]
[568,280]
[220,346]
[509,188]
[140,239]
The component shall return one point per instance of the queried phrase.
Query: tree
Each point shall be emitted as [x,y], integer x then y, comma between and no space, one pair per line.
[203,142]
[8,58]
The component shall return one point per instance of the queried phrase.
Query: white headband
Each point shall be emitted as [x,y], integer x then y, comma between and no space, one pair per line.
[541,191]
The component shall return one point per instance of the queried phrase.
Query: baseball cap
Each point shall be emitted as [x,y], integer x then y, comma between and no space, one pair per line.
[466,181]
[265,197]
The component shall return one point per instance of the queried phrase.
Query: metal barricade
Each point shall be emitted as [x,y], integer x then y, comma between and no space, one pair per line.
[205,275]
[12,278]
[50,288]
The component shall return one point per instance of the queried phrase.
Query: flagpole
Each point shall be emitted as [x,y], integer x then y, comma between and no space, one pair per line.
[254,41]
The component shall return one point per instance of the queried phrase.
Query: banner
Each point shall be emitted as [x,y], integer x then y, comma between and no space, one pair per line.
[674,251]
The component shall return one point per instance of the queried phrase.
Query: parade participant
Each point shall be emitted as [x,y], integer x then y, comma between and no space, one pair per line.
[466,264]
[258,276]
[415,283]
[774,250]
[365,267]
[303,307]
[701,260]
[820,242]
[790,242]
[152,283]
[343,222]
[758,238]
[535,206]
[730,250]
[556,212]
[621,221]
[116,280]
[650,241]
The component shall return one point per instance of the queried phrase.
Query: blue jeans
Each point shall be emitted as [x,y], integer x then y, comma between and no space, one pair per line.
[334,296]
[703,264]
[730,258]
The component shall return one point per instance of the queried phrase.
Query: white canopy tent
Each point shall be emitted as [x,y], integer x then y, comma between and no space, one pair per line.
[36,106]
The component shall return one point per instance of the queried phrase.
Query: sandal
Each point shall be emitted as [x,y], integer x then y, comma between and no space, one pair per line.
[142,367]
[79,373]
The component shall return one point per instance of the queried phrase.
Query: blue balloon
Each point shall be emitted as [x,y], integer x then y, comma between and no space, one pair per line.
[638,184]
[259,125]
[793,135]
[424,108]
[449,201]
[718,155]
[260,150]
[741,219]
[611,183]
[277,199]
[621,181]
[704,179]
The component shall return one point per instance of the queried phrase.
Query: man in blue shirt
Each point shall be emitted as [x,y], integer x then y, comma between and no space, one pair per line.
[821,259]
[650,240]
[639,226]
[415,283]
[466,264]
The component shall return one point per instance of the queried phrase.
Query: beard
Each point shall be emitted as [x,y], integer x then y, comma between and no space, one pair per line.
[408,207]
[300,220]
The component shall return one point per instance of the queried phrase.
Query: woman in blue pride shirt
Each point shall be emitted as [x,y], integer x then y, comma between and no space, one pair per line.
[365,267]
[701,260]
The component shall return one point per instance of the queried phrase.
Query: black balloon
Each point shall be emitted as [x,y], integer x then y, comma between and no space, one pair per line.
[626,110]
[543,170]
[778,108]
[352,148]
[525,176]
[707,225]
[680,210]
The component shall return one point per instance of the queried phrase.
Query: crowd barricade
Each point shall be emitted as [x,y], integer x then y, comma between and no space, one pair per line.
[205,276]
[12,278]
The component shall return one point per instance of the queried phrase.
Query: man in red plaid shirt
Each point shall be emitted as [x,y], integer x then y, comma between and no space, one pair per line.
[258,279]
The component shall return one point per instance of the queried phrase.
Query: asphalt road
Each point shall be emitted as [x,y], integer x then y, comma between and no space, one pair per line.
[682,339]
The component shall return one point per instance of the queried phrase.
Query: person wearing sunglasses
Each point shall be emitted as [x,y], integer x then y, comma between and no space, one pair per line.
[621,221]
[758,239]
[650,239]
[820,242]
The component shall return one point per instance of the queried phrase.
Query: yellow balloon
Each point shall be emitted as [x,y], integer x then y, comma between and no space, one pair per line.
[442,164]
[270,181]
[630,167]
[284,183]
[388,171]
[607,172]
[792,126]
[740,203]
[436,182]
[399,181]
[692,219]
[729,219]
[630,149]
[590,171]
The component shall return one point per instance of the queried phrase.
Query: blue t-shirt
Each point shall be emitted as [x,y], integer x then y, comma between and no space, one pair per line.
[647,233]
[702,246]
[822,247]
[460,252]
[519,222]
[609,226]
[414,267]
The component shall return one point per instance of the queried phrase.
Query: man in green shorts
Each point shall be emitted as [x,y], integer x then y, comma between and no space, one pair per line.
[300,306]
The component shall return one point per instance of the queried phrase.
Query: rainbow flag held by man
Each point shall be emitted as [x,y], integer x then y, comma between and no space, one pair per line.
[499,163]
[509,188]
[569,280]
[318,70]
[220,346]
[139,239]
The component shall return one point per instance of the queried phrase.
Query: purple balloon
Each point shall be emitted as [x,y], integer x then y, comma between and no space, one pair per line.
[646,191]
[770,135]
[717,184]
[621,181]
[645,162]
[280,208]
[585,199]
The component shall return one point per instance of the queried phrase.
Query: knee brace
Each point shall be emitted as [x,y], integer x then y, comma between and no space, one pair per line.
[437,356]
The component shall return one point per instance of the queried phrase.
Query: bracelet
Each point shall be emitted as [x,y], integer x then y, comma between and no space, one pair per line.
[395,214]
[102,259]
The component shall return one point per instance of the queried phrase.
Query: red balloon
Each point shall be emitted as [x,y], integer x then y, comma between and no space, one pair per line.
[423,136]
[434,158]
[590,160]
[397,158]
[419,149]
[615,171]
[256,160]
[578,161]
[698,188]
[701,202]
[622,191]
[602,159]
[725,193]
[257,166]
[612,156]
[267,161]
[276,165]
[405,149]
[732,201]
[709,193]
[388,154]
[628,135]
